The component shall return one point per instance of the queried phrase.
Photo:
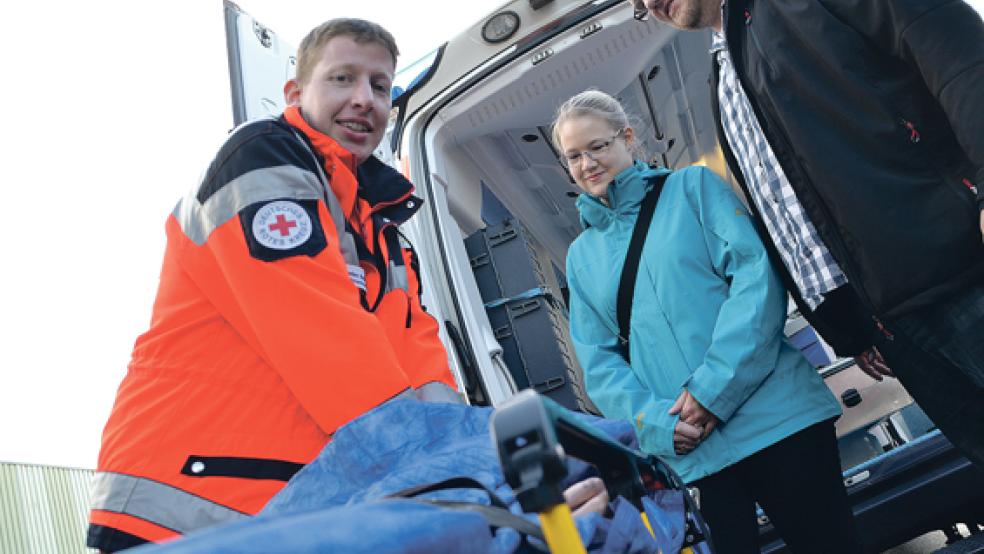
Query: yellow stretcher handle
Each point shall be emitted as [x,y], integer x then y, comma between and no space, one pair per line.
[645,520]
[649,527]
[559,530]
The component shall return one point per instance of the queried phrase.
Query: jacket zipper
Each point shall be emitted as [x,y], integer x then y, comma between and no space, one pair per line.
[914,138]
[884,330]
[758,45]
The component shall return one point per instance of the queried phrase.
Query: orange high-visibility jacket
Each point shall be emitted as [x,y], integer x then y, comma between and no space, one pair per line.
[286,308]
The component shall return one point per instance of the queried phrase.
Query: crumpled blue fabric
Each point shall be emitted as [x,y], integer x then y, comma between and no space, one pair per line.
[626,533]
[338,501]
[397,526]
[665,511]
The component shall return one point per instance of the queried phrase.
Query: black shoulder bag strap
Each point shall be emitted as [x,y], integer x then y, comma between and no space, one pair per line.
[630,269]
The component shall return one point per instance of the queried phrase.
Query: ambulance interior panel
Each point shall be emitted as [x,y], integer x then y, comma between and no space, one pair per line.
[499,135]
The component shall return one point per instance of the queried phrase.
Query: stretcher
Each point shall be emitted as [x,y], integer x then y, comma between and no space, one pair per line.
[418,477]
[533,436]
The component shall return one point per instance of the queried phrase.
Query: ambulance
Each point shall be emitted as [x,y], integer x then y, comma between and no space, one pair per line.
[470,127]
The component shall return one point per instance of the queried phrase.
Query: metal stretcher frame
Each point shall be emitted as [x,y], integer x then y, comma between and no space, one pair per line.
[533,435]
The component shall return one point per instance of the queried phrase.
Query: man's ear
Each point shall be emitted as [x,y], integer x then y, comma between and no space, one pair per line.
[292,93]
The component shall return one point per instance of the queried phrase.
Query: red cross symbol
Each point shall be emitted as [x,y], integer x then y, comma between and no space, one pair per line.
[282,225]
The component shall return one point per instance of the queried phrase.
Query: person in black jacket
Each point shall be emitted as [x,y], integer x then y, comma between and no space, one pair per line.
[856,131]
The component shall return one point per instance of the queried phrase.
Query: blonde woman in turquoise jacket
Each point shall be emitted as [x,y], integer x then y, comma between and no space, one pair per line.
[713,388]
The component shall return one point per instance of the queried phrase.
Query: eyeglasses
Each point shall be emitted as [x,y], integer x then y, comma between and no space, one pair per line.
[596,150]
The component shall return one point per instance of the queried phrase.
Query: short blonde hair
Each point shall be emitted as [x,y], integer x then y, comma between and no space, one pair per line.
[594,103]
[359,30]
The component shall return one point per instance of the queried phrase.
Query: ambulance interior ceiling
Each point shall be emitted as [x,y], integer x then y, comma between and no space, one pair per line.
[498,134]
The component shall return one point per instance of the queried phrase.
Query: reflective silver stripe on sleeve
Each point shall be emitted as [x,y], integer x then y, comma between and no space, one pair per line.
[438,392]
[198,221]
[396,277]
[347,246]
[157,503]
[334,206]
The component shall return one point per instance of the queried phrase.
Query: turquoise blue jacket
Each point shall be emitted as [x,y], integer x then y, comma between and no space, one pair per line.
[707,315]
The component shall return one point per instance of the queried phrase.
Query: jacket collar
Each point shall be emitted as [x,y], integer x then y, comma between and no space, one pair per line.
[718,42]
[625,193]
[385,190]
[333,153]
[718,38]
[732,15]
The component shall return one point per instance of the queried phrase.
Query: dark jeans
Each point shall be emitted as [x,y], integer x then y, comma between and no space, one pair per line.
[938,355]
[797,481]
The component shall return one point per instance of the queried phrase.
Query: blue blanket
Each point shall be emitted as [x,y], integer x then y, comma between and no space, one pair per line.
[338,502]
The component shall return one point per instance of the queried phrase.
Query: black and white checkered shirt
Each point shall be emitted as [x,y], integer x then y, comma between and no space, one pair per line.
[813,269]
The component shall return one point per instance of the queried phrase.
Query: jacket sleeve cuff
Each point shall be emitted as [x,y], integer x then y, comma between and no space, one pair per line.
[655,430]
[718,402]
[842,322]
[848,346]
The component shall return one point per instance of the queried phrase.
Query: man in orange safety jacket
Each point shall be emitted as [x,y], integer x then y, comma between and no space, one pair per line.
[287,306]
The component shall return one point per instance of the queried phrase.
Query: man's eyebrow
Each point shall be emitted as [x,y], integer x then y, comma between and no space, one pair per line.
[355,68]
[386,74]
[337,65]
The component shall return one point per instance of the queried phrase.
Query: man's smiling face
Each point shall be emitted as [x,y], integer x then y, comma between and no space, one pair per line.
[347,96]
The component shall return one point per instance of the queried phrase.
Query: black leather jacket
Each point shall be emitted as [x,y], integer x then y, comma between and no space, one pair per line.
[875,110]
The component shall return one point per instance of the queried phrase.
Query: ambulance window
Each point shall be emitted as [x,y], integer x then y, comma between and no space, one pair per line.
[405,82]
[412,74]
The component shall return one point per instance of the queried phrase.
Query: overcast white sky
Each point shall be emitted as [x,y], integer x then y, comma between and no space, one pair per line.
[113,107]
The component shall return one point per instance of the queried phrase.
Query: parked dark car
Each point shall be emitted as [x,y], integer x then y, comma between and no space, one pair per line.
[903,477]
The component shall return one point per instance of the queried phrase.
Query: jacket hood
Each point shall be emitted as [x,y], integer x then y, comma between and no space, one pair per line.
[625,194]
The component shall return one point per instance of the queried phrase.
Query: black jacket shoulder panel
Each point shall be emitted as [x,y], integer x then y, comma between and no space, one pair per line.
[261,144]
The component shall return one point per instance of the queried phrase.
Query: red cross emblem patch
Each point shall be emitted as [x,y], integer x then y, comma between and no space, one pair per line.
[282,225]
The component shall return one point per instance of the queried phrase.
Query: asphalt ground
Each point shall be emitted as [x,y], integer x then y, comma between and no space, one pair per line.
[930,542]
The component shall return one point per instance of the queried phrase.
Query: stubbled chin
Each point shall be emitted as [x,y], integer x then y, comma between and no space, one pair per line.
[360,149]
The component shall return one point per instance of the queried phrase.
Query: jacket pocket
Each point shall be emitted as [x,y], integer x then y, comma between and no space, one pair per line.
[244,468]
[773,72]
[960,186]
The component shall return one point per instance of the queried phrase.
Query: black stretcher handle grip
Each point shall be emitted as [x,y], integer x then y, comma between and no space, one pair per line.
[533,434]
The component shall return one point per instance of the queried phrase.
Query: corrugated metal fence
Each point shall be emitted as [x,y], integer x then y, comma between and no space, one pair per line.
[43,509]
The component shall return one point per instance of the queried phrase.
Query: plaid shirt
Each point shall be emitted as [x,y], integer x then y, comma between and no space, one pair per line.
[802,251]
